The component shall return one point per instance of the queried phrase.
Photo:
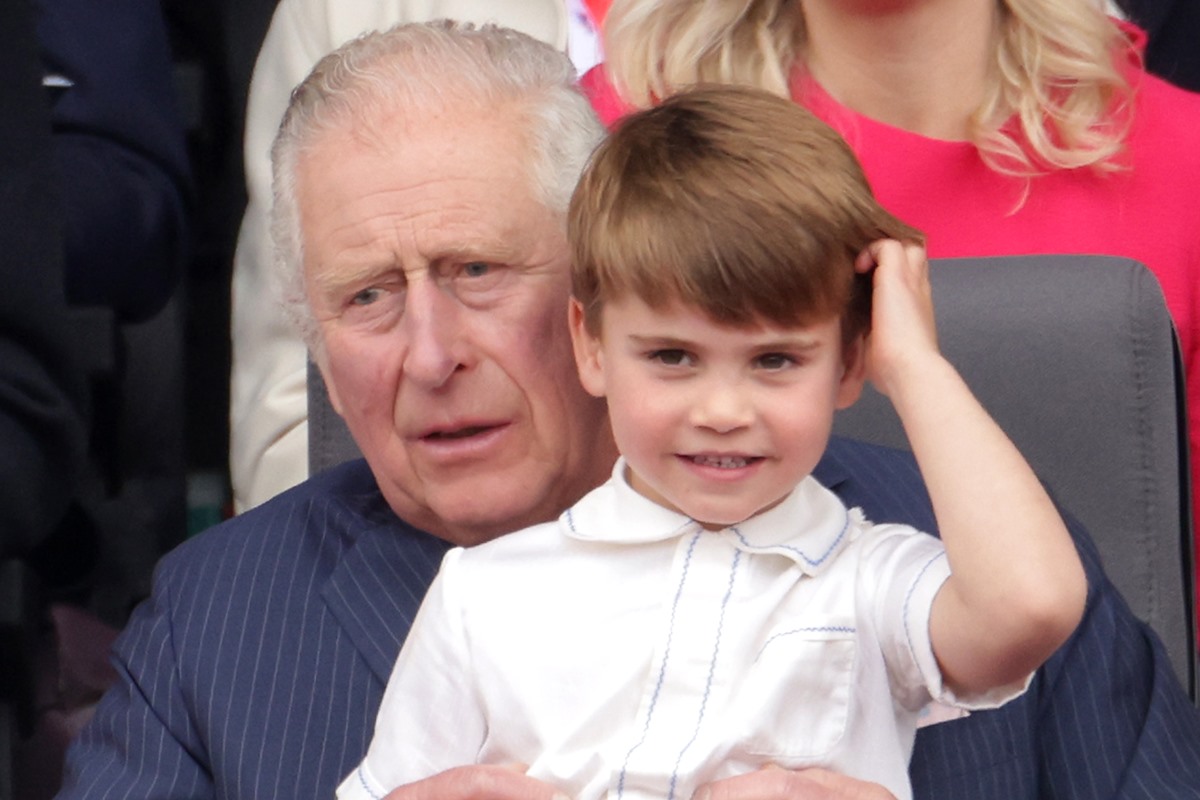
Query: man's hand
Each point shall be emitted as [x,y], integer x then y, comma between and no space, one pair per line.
[775,783]
[478,783]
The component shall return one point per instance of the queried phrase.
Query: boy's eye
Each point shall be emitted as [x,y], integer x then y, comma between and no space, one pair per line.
[774,361]
[671,357]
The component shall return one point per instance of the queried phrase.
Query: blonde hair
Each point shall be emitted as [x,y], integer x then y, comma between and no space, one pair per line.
[1056,70]
[730,200]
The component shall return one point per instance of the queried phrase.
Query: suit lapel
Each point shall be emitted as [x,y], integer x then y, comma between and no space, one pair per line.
[376,588]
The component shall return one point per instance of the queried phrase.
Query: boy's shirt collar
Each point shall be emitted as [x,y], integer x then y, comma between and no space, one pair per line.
[809,526]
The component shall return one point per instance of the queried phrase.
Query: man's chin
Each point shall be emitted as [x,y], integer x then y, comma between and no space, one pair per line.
[467,527]
[477,513]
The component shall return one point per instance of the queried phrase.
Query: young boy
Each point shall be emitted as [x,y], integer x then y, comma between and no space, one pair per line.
[712,609]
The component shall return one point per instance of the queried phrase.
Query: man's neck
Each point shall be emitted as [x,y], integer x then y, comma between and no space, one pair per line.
[920,65]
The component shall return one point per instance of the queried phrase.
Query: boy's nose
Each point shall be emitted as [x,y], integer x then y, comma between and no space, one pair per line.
[722,406]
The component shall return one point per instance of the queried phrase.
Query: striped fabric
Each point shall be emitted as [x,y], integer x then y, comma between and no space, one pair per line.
[256,669]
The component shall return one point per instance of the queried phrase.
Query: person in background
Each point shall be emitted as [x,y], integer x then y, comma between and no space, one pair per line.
[713,608]
[45,399]
[1173,37]
[119,152]
[52,349]
[997,127]
[96,241]
[268,447]
[257,667]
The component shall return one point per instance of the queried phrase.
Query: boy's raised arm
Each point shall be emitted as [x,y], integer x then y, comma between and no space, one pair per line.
[1017,587]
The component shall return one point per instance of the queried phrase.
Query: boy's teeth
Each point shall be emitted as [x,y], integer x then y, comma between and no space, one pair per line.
[722,462]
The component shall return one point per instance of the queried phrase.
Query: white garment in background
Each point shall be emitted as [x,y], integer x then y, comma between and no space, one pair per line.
[625,652]
[583,38]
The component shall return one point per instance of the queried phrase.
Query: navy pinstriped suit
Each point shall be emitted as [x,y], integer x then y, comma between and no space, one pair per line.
[257,667]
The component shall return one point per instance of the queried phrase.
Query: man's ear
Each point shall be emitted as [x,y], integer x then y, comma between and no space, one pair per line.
[854,371]
[322,362]
[589,359]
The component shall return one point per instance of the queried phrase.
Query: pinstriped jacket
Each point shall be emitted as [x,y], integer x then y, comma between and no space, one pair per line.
[256,668]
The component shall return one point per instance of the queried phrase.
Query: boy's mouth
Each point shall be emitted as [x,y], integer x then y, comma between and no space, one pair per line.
[724,462]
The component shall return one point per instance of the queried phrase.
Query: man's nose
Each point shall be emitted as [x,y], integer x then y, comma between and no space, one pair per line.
[723,405]
[432,329]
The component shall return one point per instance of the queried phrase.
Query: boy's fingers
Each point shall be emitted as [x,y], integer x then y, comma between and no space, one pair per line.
[507,782]
[865,262]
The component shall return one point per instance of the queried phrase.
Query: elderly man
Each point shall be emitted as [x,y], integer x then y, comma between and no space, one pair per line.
[421,179]
[268,412]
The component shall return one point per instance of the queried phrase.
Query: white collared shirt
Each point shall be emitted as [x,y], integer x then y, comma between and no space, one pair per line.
[626,652]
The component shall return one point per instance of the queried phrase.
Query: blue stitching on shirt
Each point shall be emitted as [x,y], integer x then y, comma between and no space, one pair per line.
[811,629]
[712,668]
[810,561]
[366,787]
[662,671]
[913,588]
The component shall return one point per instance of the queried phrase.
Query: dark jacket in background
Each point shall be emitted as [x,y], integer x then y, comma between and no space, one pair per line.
[1174,30]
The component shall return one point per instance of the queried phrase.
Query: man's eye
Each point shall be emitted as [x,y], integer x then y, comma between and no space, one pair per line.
[478,283]
[775,361]
[366,297]
[671,357]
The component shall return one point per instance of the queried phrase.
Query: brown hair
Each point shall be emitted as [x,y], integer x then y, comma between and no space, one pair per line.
[731,200]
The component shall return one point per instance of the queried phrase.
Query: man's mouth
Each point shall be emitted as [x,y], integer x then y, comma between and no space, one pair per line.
[459,433]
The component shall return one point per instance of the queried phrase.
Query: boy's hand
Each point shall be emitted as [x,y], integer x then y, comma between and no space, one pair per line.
[903,334]
[774,783]
[478,783]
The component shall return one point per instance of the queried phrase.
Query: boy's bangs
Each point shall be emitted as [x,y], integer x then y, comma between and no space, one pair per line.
[735,263]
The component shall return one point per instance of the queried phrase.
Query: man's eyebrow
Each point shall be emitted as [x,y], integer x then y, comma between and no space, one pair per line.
[335,278]
[490,251]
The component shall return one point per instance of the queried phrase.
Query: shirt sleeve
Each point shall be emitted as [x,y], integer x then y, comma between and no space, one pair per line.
[431,718]
[905,569]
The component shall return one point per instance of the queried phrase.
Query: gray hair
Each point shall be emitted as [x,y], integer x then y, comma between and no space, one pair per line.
[414,67]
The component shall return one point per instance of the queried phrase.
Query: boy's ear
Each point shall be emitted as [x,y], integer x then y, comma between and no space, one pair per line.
[589,360]
[854,374]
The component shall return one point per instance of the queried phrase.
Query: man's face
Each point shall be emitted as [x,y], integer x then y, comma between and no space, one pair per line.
[440,284]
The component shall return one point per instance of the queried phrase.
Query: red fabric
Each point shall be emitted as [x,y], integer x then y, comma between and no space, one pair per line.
[597,9]
[1148,212]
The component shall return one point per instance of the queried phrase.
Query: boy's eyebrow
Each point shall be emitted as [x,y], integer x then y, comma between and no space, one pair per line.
[801,341]
[663,340]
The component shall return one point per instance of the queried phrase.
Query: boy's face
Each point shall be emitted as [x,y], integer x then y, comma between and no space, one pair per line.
[716,422]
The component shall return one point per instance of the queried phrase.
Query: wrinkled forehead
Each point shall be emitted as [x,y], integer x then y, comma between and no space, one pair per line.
[423,140]
[452,187]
